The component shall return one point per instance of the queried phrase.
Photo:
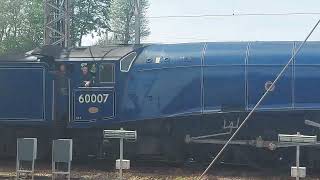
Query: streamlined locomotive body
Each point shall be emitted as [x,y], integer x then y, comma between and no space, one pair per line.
[184,100]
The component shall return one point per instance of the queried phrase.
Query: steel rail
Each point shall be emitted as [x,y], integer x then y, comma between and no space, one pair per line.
[259,102]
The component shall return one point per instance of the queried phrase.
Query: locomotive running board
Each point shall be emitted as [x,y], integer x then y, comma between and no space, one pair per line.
[259,143]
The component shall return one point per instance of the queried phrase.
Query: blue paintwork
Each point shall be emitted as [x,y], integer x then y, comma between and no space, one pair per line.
[181,80]
[307,73]
[224,77]
[173,81]
[265,61]
[219,77]
[25,93]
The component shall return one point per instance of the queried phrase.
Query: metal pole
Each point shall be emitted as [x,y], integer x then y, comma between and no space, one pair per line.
[121,156]
[137,21]
[18,162]
[259,102]
[67,24]
[298,161]
[57,22]
[32,170]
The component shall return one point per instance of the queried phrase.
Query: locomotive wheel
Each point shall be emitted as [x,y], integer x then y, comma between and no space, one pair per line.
[172,143]
[173,150]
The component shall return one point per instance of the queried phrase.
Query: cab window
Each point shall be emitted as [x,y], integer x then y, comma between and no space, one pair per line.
[106,73]
[127,61]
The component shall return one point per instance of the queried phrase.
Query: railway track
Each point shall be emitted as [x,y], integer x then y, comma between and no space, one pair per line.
[102,170]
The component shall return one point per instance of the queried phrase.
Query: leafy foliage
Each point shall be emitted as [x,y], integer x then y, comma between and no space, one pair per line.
[88,16]
[22,21]
[21,25]
[122,20]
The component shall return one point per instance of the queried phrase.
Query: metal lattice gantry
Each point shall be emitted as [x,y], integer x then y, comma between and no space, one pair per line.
[57,22]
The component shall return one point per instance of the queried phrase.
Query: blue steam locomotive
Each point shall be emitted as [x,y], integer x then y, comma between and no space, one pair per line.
[184,100]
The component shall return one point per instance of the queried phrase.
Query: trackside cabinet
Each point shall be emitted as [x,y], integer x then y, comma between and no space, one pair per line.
[26,152]
[61,154]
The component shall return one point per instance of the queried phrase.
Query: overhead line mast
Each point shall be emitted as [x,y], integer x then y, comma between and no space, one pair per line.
[57,22]
[137,21]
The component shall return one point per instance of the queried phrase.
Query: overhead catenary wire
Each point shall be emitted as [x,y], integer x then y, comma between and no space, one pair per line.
[259,102]
[233,15]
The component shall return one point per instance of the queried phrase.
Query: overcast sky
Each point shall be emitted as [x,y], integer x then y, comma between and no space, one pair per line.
[235,28]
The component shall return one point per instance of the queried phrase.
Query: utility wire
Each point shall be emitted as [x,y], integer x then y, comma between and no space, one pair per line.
[233,15]
[259,102]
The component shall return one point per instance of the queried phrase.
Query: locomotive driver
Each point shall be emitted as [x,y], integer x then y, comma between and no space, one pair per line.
[86,77]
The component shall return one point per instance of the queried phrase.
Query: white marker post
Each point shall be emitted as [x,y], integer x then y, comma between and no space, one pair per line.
[297,172]
[121,134]
[121,157]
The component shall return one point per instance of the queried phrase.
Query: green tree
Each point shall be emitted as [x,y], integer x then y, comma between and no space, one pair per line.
[21,25]
[88,16]
[122,20]
[22,21]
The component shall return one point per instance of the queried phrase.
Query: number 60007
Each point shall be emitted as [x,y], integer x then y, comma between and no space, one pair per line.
[93,98]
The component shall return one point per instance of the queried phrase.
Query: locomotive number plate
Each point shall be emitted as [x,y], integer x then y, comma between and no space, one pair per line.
[93,98]
[93,104]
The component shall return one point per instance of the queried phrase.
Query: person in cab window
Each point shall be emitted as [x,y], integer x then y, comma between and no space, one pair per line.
[86,77]
[62,80]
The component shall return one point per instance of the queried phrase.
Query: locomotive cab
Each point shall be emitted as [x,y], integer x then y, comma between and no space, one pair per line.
[92,74]
[93,92]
